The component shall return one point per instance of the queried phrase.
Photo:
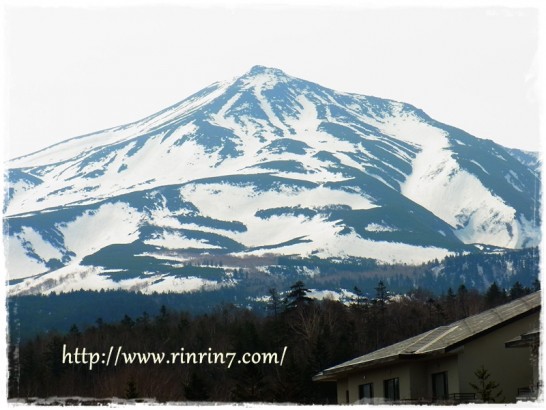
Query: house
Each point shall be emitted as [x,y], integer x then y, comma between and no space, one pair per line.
[440,364]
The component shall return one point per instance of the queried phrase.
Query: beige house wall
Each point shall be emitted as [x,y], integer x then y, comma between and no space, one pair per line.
[418,374]
[444,364]
[511,368]
[342,388]
[377,377]
[415,379]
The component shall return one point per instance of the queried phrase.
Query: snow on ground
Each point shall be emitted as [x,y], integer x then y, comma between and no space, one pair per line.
[111,223]
[18,188]
[374,227]
[436,270]
[304,270]
[249,144]
[326,242]
[531,234]
[482,168]
[451,193]
[153,158]
[153,163]
[18,263]
[306,127]
[342,295]
[512,179]
[165,257]
[266,82]
[241,203]
[181,285]
[66,279]
[184,108]
[41,246]
[59,188]
[75,277]
[172,240]
[324,294]
[488,224]
[71,148]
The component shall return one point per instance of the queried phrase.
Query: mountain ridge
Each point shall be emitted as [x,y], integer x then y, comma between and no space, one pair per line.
[304,169]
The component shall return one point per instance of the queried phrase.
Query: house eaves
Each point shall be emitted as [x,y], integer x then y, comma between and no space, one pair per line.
[524,340]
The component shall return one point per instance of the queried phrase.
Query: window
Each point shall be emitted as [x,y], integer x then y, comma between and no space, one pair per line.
[439,386]
[365,391]
[391,388]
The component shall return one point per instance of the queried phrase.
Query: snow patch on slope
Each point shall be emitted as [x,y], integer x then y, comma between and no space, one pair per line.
[42,247]
[18,263]
[171,240]
[241,203]
[307,130]
[374,227]
[110,224]
[325,241]
[75,277]
[439,184]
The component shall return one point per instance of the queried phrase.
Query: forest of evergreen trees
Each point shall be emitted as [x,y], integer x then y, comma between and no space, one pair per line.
[30,315]
[317,334]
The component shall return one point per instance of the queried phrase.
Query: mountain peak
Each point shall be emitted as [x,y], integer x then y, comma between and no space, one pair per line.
[260,69]
[261,77]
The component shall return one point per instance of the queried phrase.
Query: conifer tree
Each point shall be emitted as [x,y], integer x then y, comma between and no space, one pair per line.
[275,302]
[462,297]
[298,295]
[380,301]
[450,305]
[517,291]
[485,388]
[360,300]
[494,296]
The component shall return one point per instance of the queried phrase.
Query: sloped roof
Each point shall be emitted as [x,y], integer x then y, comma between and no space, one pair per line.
[524,340]
[441,339]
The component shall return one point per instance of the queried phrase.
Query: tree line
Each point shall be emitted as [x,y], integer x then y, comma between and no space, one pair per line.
[317,333]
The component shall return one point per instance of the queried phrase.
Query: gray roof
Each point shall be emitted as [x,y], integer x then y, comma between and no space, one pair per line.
[524,340]
[442,339]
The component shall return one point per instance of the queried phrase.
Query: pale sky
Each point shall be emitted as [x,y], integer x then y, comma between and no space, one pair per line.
[76,70]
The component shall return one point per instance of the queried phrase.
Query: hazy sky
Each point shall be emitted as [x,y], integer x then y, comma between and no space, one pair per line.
[75,70]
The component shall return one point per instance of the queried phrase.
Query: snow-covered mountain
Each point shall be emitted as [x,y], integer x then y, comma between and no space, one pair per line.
[263,164]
